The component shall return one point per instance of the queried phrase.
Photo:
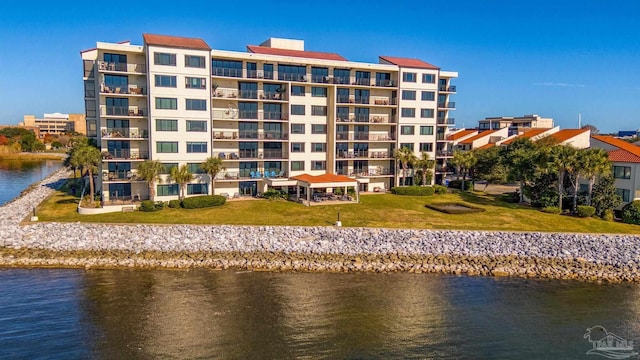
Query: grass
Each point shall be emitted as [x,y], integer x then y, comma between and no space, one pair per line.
[380,210]
[33,156]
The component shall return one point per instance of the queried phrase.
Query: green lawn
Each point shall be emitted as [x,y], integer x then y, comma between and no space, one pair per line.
[379,210]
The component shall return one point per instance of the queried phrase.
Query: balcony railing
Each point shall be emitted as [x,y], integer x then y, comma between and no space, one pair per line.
[386,83]
[226,72]
[124,133]
[234,114]
[443,169]
[343,154]
[292,77]
[274,154]
[362,81]
[119,175]
[445,88]
[371,171]
[248,94]
[270,95]
[362,100]
[342,80]
[447,105]
[444,153]
[121,67]
[253,174]
[446,121]
[121,111]
[440,136]
[125,154]
[374,119]
[133,90]
[343,99]
[364,137]
[320,79]
[247,154]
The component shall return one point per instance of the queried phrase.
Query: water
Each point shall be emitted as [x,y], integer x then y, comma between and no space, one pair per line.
[160,314]
[17,175]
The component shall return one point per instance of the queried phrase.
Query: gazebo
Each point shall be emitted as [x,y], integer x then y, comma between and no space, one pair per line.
[310,182]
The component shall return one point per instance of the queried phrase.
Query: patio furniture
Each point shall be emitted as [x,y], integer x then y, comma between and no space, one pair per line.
[252,174]
[273,173]
[281,173]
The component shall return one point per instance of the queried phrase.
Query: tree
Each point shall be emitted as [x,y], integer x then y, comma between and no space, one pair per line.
[150,171]
[463,161]
[489,167]
[425,164]
[604,197]
[87,157]
[562,157]
[576,171]
[596,163]
[521,158]
[593,128]
[182,176]
[212,166]
[406,157]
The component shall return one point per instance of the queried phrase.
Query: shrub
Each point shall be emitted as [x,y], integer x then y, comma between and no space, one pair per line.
[160,205]
[455,208]
[551,210]
[631,213]
[274,194]
[174,204]
[511,197]
[457,184]
[148,206]
[413,190]
[439,189]
[607,215]
[585,211]
[205,201]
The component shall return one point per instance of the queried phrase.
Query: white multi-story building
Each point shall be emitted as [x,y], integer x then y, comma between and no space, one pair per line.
[270,113]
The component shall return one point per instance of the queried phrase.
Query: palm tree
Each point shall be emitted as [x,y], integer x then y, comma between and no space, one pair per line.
[150,171]
[562,159]
[182,176]
[521,158]
[596,163]
[212,166]
[576,170]
[406,157]
[464,161]
[88,157]
[425,164]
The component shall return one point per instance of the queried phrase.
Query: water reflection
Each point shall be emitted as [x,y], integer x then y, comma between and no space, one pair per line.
[16,175]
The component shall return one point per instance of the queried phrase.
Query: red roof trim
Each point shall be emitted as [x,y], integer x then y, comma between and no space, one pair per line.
[477,136]
[620,144]
[622,155]
[265,50]
[409,62]
[175,41]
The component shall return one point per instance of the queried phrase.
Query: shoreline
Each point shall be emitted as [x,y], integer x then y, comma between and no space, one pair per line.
[33,156]
[588,257]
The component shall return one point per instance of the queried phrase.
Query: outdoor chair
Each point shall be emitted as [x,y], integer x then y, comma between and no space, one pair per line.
[281,173]
[252,174]
[273,173]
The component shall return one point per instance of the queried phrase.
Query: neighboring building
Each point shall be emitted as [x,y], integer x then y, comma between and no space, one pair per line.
[55,124]
[577,138]
[483,139]
[628,133]
[271,113]
[515,124]
[625,158]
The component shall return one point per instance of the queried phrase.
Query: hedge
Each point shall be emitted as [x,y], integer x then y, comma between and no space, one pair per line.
[174,204]
[148,206]
[413,190]
[631,213]
[205,201]
[551,210]
[457,184]
[585,211]
[440,189]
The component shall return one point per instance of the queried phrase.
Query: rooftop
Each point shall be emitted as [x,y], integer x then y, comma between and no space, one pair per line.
[294,53]
[175,41]
[529,133]
[408,62]
[632,150]
[461,133]
[566,134]
[324,178]
[478,136]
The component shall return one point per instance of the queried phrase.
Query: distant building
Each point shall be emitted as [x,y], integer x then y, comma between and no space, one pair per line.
[625,158]
[515,124]
[55,124]
[628,133]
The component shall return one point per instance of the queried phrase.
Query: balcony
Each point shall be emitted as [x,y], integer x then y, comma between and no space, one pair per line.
[371,172]
[226,72]
[363,137]
[114,133]
[292,77]
[321,79]
[270,95]
[121,67]
[252,174]
[225,93]
[343,99]
[385,83]
[384,101]
[440,137]
[344,154]
[444,153]
[362,81]
[447,105]
[274,154]
[248,94]
[446,121]
[225,135]
[443,169]
[449,89]
[125,154]
[131,90]
[371,119]
[361,100]
[342,80]
[121,111]
[235,114]
[122,175]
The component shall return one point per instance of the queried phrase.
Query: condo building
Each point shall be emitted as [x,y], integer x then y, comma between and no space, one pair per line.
[271,113]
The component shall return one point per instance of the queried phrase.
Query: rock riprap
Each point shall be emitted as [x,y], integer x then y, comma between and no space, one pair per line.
[612,258]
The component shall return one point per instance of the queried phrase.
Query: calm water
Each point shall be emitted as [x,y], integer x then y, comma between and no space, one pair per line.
[155,314]
[16,175]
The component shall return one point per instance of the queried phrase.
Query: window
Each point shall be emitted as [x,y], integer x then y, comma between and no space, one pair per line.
[164,59]
[426,113]
[167,103]
[248,110]
[318,147]
[165,81]
[196,147]
[297,90]
[408,77]
[318,91]
[297,166]
[297,109]
[194,61]
[428,147]
[114,81]
[167,146]
[317,110]
[319,75]
[342,113]
[196,126]
[166,168]
[428,96]
[407,130]
[252,70]
[272,111]
[297,128]
[428,79]
[408,95]
[408,112]
[363,77]
[167,190]
[195,168]
[166,125]
[426,130]
[622,172]
[318,129]
[318,165]
[292,72]
[250,90]
[342,95]
[625,194]
[407,145]
[341,76]
[196,104]
[195,83]
[115,58]
[197,189]
[229,68]
[297,147]
[268,71]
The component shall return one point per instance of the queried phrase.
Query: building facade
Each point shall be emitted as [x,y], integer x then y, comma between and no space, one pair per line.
[271,113]
[55,124]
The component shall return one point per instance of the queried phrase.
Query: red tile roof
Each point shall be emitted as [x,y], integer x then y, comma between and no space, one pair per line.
[478,136]
[529,133]
[486,146]
[566,134]
[408,62]
[461,133]
[631,150]
[175,41]
[295,53]
[622,155]
[324,178]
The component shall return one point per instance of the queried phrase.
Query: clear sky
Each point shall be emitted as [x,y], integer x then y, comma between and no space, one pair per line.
[554,58]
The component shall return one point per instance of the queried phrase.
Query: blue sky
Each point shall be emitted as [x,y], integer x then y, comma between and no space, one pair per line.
[552,58]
